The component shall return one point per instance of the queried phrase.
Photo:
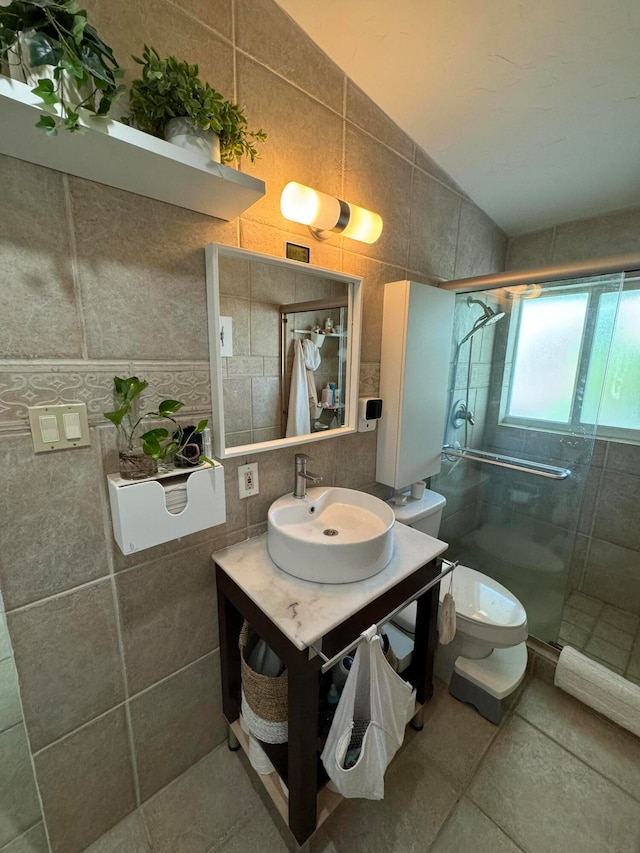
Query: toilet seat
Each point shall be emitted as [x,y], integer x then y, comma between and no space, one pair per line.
[485,610]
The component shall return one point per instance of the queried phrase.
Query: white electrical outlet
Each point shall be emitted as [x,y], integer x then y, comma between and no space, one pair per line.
[248,483]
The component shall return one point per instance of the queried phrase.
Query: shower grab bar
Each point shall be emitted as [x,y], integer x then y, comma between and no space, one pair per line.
[329,662]
[525,465]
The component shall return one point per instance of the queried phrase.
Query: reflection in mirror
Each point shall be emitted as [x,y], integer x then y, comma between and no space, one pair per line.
[289,374]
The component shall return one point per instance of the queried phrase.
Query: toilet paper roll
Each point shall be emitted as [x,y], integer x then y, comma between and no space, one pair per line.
[595,685]
[417,490]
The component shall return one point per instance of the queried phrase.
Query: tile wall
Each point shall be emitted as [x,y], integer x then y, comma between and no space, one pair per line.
[606,559]
[117,657]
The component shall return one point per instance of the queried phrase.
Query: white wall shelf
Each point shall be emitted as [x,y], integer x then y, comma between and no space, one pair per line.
[111,153]
[139,510]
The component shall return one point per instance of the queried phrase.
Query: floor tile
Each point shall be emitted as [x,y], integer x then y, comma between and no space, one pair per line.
[622,619]
[203,807]
[585,603]
[469,829]
[418,799]
[613,635]
[602,745]
[10,708]
[548,800]
[583,620]
[258,833]
[129,836]
[607,652]
[455,737]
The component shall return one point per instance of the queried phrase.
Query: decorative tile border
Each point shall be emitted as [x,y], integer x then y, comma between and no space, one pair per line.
[36,383]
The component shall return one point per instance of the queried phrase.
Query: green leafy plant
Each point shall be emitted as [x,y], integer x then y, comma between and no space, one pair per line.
[170,88]
[157,443]
[56,33]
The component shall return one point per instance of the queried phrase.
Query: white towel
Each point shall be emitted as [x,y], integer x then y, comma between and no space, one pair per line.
[595,685]
[298,420]
[312,362]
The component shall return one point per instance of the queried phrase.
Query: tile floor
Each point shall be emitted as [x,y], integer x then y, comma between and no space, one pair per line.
[607,634]
[554,777]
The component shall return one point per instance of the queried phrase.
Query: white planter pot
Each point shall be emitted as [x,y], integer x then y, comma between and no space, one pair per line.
[182,132]
[21,69]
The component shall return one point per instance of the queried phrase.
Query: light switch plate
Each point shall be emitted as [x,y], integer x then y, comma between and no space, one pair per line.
[70,420]
[248,480]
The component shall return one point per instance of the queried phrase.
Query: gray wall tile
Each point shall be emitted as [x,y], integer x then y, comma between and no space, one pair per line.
[617,515]
[124,256]
[378,179]
[10,708]
[20,808]
[435,213]
[216,14]
[612,234]
[530,250]
[168,613]
[5,642]
[297,125]
[33,841]
[481,245]
[368,116]
[59,495]
[86,783]
[68,658]
[40,315]
[129,24]
[176,723]
[267,33]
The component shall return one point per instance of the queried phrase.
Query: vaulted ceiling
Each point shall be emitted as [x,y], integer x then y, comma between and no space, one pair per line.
[532,106]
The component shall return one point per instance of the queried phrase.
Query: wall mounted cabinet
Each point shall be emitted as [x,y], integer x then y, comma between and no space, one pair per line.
[111,153]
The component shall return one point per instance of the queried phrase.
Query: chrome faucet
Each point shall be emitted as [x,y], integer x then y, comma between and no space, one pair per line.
[303,476]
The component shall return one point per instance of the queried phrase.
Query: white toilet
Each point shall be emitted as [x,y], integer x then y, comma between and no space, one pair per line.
[487,658]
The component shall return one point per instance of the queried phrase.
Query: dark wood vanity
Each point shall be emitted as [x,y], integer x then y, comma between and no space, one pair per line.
[277,606]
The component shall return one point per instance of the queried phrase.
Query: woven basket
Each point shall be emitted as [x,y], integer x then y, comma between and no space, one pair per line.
[264,698]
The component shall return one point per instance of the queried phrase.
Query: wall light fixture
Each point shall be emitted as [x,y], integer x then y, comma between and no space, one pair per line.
[326,215]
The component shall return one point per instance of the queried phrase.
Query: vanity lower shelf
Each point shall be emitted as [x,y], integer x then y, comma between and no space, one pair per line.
[326,801]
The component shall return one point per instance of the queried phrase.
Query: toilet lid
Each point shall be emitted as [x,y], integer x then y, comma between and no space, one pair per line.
[477,597]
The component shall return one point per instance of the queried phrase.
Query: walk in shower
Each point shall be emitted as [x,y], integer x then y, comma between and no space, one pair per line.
[542,463]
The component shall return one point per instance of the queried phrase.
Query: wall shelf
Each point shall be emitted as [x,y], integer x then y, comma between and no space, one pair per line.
[119,156]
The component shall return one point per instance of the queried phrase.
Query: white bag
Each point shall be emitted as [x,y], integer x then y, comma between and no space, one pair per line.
[369,723]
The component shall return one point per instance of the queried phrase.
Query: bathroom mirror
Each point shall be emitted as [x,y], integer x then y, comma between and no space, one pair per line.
[284,349]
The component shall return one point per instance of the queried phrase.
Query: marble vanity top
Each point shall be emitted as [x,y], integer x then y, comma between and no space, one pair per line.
[306,611]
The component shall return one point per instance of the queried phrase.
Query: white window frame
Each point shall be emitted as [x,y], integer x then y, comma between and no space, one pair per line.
[574,425]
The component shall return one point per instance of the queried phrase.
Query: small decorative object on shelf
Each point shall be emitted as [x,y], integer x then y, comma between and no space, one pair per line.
[50,45]
[171,102]
[139,450]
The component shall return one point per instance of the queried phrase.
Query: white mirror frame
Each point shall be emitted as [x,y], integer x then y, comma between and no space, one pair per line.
[212,252]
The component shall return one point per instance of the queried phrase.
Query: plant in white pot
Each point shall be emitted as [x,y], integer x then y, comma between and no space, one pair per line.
[172,102]
[51,45]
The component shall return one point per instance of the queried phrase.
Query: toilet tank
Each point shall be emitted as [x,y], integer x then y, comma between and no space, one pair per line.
[424,514]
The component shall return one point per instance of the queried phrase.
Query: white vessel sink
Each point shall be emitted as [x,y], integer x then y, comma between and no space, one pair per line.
[331,536]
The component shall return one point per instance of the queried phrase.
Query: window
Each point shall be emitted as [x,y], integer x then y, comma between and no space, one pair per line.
[575,353]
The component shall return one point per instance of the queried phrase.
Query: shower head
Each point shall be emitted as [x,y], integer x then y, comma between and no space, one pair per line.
[489,317]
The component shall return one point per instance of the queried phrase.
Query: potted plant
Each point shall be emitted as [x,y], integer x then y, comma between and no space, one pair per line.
[171,102]
[139,451]
[50,44]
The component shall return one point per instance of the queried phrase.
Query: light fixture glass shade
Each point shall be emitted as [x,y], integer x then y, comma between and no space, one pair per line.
[324,213]
[309,207]
[363,225]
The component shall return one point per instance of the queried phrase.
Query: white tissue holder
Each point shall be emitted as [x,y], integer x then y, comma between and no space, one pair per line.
[139,511]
